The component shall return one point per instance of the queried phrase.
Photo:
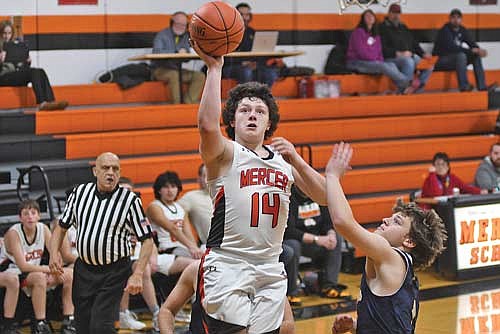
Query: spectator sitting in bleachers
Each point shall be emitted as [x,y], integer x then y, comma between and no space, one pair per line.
[291,261]
[364,53]
[488,172]
[176,245]
[456,49]
[22,254]
[440,181]
[249,70]
[198,206]
[10,282]
[309,232]
[400,47]
[175,39]
[128,319]
[21,75]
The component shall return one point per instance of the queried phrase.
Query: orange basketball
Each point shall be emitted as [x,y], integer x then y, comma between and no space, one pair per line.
[217,28]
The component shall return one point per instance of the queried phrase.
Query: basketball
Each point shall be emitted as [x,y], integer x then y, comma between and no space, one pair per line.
[217,28]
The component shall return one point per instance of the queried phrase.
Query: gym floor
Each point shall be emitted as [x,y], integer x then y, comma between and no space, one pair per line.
[461,307]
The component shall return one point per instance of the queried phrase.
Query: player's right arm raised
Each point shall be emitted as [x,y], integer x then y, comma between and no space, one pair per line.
[214,147]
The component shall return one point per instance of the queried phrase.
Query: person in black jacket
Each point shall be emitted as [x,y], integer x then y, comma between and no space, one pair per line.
[456,49]
[245,70]
[310,232]
[400,47]
[15,75]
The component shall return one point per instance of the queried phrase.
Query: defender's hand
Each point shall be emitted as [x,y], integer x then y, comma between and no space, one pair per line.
[340,159]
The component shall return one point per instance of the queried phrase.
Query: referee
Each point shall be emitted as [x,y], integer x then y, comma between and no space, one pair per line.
[104,216]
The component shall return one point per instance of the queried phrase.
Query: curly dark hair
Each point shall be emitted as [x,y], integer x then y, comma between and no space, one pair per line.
[168,177]
[427,231]
[250,90]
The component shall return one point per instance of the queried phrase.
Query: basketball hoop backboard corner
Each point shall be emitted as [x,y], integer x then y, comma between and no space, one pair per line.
[365,4]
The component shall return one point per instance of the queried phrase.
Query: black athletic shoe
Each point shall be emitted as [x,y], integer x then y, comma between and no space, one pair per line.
[42,327]
[68,327]
[11,329]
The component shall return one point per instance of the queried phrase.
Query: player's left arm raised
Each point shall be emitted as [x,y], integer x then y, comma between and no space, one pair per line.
[376,246]
[309,181]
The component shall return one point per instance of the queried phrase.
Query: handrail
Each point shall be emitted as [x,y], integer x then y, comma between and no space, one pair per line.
[301,148]
[45,179]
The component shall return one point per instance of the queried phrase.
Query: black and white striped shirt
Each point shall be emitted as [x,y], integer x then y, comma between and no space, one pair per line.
[104,222]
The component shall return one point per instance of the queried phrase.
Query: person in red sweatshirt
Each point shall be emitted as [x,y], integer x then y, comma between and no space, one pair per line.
[441,182]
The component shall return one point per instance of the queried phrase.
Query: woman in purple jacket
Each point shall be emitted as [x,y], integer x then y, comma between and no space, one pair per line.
[364,54]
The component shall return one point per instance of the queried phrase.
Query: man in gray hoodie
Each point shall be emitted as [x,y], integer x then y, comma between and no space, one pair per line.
[488,172]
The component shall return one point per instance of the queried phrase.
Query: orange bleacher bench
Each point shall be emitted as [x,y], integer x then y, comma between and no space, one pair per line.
[409,150]
[145,169]
[187,139]
[171,116]
[92,94]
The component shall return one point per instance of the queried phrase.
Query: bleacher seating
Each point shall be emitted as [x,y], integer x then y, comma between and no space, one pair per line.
[394,136]
[156,92]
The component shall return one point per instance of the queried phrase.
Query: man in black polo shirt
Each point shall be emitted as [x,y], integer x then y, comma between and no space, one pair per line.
[104,216]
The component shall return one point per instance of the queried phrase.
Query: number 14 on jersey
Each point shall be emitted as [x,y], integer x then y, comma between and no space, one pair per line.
[261,204]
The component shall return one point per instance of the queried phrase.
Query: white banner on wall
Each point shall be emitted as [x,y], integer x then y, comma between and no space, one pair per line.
[477,231]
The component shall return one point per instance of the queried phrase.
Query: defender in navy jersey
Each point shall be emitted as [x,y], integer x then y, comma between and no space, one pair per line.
[410,238]
[242,284]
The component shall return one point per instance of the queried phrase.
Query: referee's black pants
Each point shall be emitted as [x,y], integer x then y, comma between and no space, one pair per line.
[97,291]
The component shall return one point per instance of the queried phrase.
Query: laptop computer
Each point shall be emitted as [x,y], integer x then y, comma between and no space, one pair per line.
[264,41]
[17,53]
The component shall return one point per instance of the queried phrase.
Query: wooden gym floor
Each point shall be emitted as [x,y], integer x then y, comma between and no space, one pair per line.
[447,307]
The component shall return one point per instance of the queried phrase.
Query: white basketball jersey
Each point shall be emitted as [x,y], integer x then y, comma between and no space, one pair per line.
[172,212]
[251,206]
[32,252]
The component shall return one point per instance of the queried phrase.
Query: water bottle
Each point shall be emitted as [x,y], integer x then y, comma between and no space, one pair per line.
[333,88]
[320,89]
[303,88]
